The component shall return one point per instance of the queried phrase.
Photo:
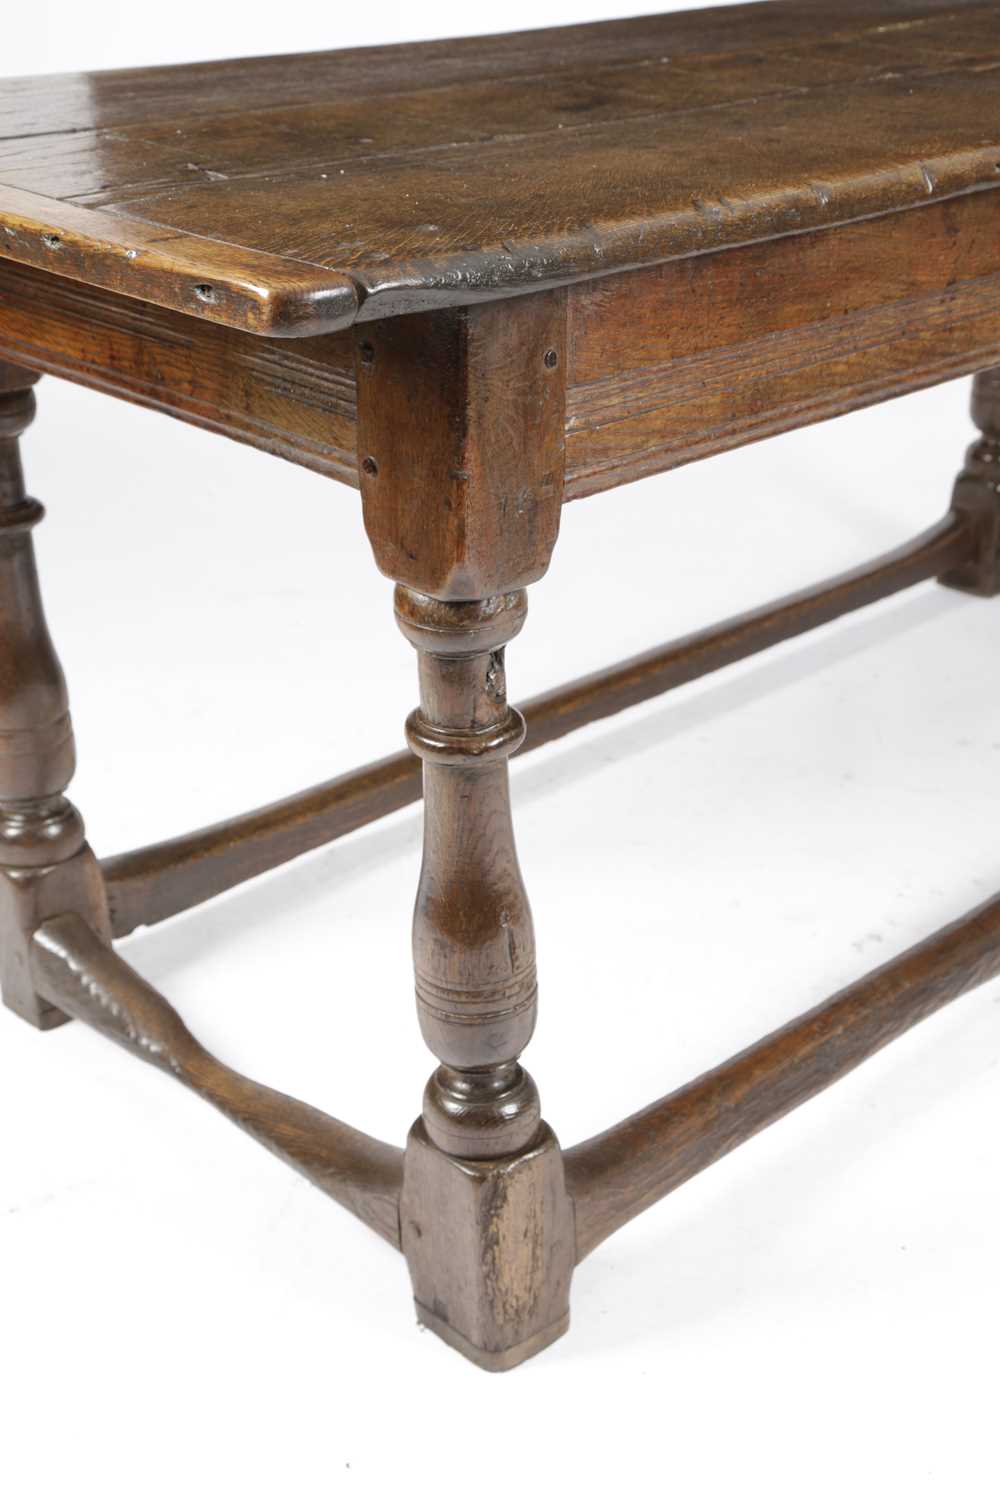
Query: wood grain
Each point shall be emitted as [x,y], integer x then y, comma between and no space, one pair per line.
[291,196]
[194,273]
[656,367]
[85,978]
[626,1169]
[679,361]
[486,1221]
[461,420]
[574,257]
[473,936]
[293,400]
[490,1247]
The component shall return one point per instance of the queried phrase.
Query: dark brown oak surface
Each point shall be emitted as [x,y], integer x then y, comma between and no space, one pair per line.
[734,222]
[293,195]
[662,365]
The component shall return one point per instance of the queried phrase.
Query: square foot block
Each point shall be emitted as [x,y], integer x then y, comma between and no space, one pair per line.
[976,498]
[37,1012]
[493,1360]
[491,1248]
[29,897]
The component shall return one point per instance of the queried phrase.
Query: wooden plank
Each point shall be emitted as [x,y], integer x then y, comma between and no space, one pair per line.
[294,400]
[664,365]
[75,102]
[307,192]
[210,278]
[678,361]
[302,136]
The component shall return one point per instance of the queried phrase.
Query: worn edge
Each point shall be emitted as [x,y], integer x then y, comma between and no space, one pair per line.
[277,297]
[244,289]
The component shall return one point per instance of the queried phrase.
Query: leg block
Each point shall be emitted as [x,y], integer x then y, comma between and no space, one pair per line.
[29,897]
[491,1248]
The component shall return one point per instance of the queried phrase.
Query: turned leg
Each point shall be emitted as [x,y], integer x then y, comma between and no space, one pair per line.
[461,426]
[46,867]
[486,1223]
[977,492]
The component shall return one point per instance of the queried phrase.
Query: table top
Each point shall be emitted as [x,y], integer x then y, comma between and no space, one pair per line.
[293,195]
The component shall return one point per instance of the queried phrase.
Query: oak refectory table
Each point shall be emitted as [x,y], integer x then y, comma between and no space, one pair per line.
[475,280]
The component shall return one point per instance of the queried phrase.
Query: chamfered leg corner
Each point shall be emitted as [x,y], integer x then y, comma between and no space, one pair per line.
[490,1247]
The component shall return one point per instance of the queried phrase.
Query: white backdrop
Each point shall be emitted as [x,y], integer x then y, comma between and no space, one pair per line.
[816,1315]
